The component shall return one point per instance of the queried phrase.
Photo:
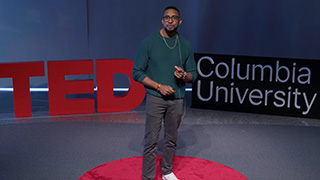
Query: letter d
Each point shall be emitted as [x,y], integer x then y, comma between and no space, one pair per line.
[106,101]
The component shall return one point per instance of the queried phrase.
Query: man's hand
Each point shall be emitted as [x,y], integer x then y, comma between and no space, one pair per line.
[178,73]
[166,90]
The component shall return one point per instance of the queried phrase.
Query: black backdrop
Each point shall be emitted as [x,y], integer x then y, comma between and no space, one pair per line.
[281,86]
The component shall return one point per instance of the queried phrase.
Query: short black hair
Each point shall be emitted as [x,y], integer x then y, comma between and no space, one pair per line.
[172,7]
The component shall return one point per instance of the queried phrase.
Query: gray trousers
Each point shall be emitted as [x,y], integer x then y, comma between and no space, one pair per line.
[170,112]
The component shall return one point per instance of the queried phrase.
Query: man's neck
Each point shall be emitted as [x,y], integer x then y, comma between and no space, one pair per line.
[167,34]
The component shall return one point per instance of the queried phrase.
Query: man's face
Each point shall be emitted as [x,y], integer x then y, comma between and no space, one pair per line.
[171,20]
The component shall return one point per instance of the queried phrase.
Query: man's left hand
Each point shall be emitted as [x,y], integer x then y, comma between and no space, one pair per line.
[178,73]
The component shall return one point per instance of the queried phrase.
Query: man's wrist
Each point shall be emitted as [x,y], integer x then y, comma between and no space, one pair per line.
[184,76]
[158,87]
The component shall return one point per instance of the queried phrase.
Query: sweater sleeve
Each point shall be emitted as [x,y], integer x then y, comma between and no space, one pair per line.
[139,71]
[191,65]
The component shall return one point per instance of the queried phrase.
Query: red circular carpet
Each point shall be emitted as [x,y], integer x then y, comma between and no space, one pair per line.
[185,168]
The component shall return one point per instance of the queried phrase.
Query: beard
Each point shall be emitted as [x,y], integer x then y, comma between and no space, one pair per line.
[171,32]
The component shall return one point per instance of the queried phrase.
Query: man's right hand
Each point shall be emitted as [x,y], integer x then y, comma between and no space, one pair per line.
[166,90]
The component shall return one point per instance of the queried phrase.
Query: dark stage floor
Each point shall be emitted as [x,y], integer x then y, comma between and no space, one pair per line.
[261,147]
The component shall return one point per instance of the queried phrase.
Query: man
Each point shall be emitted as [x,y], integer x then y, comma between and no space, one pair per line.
[164,64]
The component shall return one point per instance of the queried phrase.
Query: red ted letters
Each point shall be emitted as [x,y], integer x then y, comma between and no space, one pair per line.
[59,87]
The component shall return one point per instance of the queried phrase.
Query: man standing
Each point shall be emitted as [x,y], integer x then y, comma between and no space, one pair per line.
[164,64]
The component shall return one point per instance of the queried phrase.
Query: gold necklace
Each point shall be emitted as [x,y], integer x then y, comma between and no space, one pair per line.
[168,44]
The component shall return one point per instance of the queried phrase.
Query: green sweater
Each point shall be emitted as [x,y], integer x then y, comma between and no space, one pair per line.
[155,60]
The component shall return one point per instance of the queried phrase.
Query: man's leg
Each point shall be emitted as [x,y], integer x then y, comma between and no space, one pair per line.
[172,122]
[155,113]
